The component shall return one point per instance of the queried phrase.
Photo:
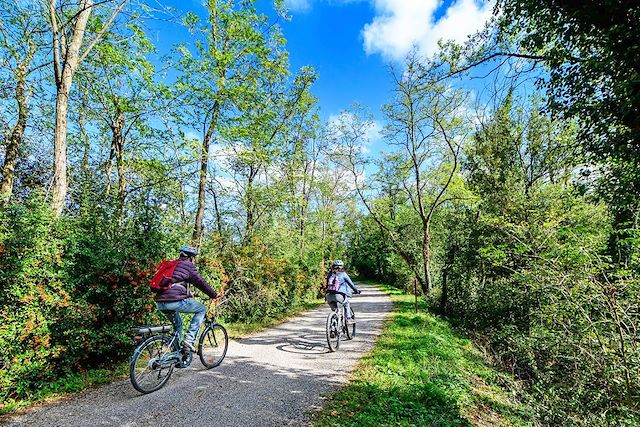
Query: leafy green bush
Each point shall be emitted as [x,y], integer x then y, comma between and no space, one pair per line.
[72,290]
[257,284]
[32,275]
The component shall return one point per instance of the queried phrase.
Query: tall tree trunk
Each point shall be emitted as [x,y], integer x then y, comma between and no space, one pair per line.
[426,261]
[60,151]
[65,63]
[204,164]
[66,59]
[17,132]
[118,139]
[109,165]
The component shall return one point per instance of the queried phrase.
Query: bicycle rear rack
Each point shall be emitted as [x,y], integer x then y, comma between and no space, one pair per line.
[147,330]
[142,332]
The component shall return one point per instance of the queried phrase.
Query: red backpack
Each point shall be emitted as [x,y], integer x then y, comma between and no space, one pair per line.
[162,278]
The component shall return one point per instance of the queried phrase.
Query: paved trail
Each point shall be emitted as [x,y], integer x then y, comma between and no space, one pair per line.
[270,378]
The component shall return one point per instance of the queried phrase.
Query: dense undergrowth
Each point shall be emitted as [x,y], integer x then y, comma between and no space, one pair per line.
[423,373]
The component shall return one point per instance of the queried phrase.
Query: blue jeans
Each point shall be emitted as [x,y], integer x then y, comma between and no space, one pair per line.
[173,309]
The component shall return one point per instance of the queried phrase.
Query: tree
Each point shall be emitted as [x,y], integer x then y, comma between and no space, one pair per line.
[120,86]
[265,127]
[68,30]
[591,59]
[20,40]
[423,122]
[232,51]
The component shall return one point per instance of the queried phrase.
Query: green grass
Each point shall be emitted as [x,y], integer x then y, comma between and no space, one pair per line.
[422,373]
[78,382]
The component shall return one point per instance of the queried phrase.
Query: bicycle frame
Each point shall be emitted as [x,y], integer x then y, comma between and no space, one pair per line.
[341,311]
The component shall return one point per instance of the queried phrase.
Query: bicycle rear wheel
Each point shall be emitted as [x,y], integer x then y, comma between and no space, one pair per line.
[351,328]
[333,332]
[212,346]
[150,368]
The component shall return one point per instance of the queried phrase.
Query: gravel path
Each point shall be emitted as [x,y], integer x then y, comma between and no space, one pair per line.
[270,378]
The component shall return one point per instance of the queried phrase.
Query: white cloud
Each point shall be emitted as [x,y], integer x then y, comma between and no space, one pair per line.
[298,5]
[401,24]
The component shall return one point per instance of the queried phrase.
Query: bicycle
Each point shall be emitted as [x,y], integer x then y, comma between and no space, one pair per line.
[337,322]
[158,353]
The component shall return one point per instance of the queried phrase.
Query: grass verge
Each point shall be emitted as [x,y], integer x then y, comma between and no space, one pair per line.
[77,382]
[422,373]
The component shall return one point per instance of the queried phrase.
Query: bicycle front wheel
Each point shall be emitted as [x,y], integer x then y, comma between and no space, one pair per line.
[150,367]
[333,332]
[212,346]
[351,327]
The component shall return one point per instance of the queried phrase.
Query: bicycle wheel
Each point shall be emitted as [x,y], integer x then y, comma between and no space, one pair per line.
[149,369]
[333,332]
[212,346]
[351,328]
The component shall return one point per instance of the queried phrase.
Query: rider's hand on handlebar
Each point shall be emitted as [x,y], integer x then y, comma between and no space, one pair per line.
[218,297]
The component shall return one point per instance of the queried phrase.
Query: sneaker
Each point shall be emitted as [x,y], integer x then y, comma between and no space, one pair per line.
[188,347]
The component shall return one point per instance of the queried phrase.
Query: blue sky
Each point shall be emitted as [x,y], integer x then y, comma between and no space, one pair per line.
[351,42]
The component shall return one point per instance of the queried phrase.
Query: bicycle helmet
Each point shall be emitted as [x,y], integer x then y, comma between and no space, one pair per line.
[338,264]
[188,250]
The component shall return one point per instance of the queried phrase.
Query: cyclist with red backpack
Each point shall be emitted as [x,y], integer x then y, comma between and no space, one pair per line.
[171,283]
[339,287]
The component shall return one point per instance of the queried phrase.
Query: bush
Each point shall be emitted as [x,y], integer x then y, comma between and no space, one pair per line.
[73,290]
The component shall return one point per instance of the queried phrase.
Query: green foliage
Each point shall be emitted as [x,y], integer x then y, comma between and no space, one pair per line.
[422,373]
[73,289]
[32,280]
[258,284]
[525,268]
[592,77]
[523,263]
